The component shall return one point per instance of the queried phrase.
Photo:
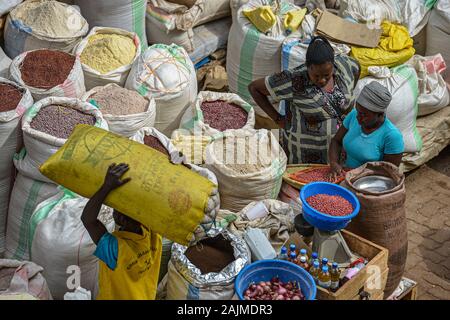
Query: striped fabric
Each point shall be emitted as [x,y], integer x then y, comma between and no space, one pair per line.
[310,126]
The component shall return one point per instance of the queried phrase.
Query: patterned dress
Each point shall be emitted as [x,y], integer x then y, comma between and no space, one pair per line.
[313,115]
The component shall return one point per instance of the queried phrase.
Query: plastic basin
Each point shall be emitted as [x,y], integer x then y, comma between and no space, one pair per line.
[265,270]
[324,221]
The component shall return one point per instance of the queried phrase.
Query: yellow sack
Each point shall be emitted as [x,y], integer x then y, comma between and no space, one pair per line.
[169,199]
[395,48]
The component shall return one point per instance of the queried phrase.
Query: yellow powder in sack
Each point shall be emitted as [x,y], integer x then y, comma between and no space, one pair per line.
[107,52]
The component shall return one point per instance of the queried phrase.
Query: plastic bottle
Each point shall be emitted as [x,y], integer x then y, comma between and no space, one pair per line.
[324,262]
[293,257]
[314,257]
[314,270]
[335,275]
[304,254]
[292,248]
[304,263]
[283,254]
[324,279]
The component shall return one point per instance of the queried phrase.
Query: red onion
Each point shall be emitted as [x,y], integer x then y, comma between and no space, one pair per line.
[273,290]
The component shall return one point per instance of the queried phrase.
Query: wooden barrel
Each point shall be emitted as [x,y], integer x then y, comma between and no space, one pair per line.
[382,217]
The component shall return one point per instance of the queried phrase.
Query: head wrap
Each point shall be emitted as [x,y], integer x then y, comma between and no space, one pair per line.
[374,97]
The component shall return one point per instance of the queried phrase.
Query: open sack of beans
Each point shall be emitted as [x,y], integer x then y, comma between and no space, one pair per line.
[382,217]
[157,195]
[252,157]
[214,113]
[126,111]
[207,270]
[46,126]
[107,55]
[167,74]
[49,73]
[277,224]
[151,137]
[58,239]
[43,24]
[14,101]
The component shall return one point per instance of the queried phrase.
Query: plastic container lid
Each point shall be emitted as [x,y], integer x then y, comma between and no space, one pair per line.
[324,261]
[283,249]
[314,255]
[303,259]
[325,269]
[335,265]
[316,264]
[293,255]
[303,251]
[292,247]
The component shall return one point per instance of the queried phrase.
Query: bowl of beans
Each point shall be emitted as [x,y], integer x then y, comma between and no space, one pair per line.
[328,206]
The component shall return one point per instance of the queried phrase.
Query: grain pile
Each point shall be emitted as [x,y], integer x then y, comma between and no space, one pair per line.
[108,52]
[117,101]
[46,69]
[222,115]
[10,97]
[59,121]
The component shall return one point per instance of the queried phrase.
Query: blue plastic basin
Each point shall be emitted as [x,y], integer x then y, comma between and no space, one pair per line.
[265,270]
[321,220]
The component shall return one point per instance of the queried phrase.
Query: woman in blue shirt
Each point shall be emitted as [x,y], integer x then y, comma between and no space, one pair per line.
[367,134]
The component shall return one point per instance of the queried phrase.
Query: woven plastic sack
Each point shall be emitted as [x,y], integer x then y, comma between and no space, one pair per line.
[10,137]
[92,77]
[156,196]
[193,119]
[72,87]
[5,63]
[20,38]
[167,74]
[126,125]
[124,14]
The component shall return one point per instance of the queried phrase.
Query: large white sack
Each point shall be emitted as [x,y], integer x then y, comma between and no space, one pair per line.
[127,125]
[402,84]
[72,87]
[40,146]
[10,140]
[169,16]
[25,197]
[433,92]
[438,34]
[199,42]
[413,14]
[186,282]
[5,63]
[20,38]
[261,176]
[167,74]
[59,240]
[94,78]
[193,119]
[124,14]
[251,54]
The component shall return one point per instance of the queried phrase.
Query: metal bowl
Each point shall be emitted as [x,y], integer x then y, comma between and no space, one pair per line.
[374,184]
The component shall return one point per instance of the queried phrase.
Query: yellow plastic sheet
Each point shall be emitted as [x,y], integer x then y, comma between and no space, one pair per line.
[169,199]
[395,48]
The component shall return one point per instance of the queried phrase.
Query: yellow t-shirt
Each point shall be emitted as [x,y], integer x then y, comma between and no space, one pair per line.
[135,276]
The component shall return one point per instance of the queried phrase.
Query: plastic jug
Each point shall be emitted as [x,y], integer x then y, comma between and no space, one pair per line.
[293,19]
[262,18]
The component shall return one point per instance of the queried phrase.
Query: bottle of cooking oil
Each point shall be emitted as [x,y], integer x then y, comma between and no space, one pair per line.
[304,263]
[335,275]
[314,270]
[324,262]
[324,279]
[293,257]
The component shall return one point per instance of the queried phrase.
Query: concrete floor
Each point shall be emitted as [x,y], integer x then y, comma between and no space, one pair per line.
[428,214]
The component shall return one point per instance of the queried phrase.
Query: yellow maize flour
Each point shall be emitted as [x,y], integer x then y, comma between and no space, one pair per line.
[108,52]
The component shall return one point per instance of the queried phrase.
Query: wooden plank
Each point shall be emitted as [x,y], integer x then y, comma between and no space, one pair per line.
[377,257]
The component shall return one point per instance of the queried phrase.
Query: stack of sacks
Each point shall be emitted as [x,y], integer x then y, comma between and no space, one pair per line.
[252,54]
[395,48]
[107,55]
[167,74]
[200,26]
[123,14]
[43,24]
[46,126]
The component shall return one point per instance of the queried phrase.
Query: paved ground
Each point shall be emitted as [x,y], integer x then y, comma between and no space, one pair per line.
[428,214]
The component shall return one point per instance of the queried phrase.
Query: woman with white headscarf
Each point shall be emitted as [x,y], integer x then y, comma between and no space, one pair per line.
[367,134]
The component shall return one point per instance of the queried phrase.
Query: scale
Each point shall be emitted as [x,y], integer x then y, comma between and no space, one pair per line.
[324,230]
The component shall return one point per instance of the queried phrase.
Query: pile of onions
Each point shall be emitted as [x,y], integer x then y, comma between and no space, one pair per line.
[274,290]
